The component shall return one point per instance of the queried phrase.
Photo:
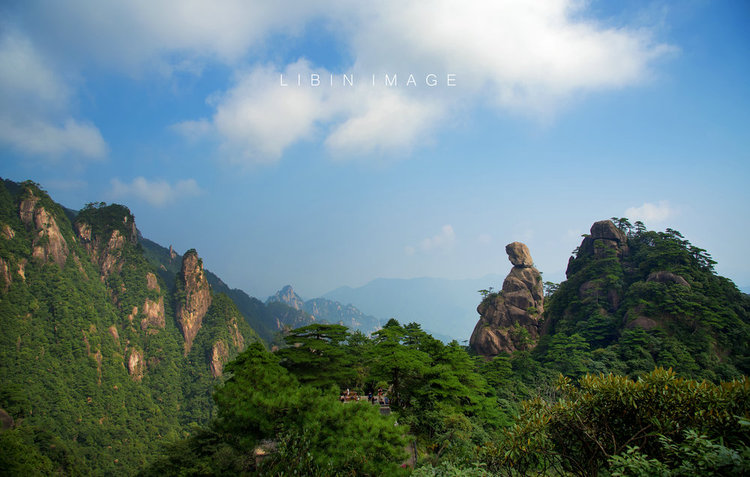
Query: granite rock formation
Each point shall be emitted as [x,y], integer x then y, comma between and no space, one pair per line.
[510,320]
[48,242]
[197,297]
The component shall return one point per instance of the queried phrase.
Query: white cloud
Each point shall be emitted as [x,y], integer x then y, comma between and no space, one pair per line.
[651,213]
[156,193]
[33,106]
[257,119]
[39,137]
[440,241]
[388,120]
[529,57]
[168,35]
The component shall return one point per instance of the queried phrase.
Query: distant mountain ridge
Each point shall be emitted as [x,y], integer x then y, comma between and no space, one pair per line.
[327,311]
[445,307]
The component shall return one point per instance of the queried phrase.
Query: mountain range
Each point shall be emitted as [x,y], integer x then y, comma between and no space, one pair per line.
[111,345]
[327,311]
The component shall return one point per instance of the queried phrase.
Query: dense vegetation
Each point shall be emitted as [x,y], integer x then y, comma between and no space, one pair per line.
[655,301]
[660,424]
[93,383]
[292,398]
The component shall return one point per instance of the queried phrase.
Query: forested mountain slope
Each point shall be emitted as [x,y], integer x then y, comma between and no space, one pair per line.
[100,358]
[635,299]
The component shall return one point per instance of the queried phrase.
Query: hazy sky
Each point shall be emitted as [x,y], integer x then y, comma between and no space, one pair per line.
[522,120]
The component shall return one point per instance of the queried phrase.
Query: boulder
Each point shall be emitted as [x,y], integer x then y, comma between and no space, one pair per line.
[607,230]
[519,255]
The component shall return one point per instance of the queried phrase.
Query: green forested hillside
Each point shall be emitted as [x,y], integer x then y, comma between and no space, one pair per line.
[453,410]
[118,356]
[636,299]
[91,358]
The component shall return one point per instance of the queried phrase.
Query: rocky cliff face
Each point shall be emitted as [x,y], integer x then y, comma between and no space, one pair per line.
[48,242]
[197,297]
[509,320]
[105,243]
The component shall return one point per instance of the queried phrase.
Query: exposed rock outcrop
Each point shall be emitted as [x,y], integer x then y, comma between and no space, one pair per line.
[197,297]
[5,277]
[48,242]
[151,282]
[219,356]
[154,315]
[667,277]
[135,364]
[509,320]
[237,339]
[6,421]
[8,232]
[104,233]
[604,236]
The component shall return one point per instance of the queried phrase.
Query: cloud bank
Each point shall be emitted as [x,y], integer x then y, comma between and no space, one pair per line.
[157,193]
[34,103]
[528,58]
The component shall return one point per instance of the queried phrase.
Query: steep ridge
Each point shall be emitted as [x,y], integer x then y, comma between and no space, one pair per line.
[91,352]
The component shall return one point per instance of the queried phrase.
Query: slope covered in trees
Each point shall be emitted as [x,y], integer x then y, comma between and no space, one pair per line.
[92,362]
[111,348]
[636,299]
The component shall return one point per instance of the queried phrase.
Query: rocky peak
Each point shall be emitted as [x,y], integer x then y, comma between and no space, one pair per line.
[288,296]
[509,320]
[104,230]
[607,230]
[197,297]
[48,242]
[604,238]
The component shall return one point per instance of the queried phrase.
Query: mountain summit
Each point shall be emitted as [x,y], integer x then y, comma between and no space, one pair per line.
[634,297]
[289,296]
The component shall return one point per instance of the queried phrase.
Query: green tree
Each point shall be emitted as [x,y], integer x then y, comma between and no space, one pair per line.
[316,355]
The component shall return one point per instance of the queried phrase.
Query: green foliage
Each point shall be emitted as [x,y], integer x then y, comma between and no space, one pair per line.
[67,341]
[314,434]
[606,416]
[315,355]
[699,326]
[105,219]
[31,451]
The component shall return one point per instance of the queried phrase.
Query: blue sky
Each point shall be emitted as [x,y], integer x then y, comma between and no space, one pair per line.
[563,113]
